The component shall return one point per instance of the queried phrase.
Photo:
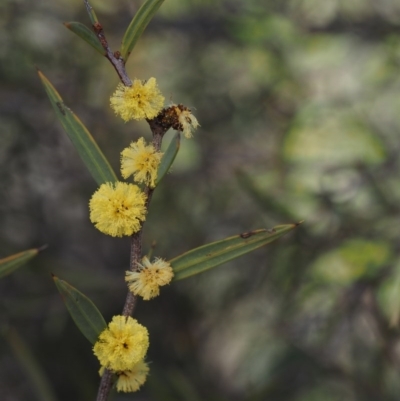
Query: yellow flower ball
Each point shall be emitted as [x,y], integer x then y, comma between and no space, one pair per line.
[142,161]
[118,209]
[131,380]
[147,281]
[122,345]
[141,100]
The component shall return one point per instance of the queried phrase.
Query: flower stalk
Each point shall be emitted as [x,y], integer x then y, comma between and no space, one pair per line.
[158,132]
[136,100]
[114,58]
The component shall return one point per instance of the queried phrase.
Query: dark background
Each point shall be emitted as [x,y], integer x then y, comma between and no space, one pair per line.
[299,106]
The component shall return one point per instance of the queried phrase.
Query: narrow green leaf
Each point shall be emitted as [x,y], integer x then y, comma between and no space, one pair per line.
[138,25]
[81,138]
[86,34]
[28,361]
[13,262]
[168,157]
[82,310]
[216,253]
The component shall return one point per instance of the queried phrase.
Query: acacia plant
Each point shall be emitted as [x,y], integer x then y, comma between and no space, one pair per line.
[119,208]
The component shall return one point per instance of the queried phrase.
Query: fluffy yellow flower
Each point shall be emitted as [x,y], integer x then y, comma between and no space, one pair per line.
[147,281]
[131,380]
[122,344]
[118,209]
[142,161]
[141,100]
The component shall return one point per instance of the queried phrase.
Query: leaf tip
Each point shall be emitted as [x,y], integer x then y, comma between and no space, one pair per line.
[43,247]
[40,73]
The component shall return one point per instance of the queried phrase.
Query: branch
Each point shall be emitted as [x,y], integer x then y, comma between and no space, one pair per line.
[136,253]
[115,58]
[158,129]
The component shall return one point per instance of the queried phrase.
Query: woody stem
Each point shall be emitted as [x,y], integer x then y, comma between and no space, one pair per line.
[136,241]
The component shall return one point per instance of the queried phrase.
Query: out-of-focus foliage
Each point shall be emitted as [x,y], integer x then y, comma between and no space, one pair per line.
[11,263]
[298,103]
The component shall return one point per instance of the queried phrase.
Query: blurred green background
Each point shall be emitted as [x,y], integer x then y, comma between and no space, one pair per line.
[299,106]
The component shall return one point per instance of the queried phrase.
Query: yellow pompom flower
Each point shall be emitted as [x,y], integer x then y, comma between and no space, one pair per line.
[142,161]
[131,380]
[147,281]
[122,344]
[141,100]
[118,209]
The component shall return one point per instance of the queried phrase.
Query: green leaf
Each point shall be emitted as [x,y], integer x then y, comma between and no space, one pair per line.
[168,157]
[138,25]
[81,138]
[216,253]
[82,310]
[13,262]
[86,34]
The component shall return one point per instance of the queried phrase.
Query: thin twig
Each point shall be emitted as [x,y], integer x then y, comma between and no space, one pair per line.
[158,131]
[115,58]
[136,253]
[105,385]
[90,11]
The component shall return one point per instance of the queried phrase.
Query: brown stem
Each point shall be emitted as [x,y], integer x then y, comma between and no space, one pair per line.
[115,58]
[105,385]
[158,130]
[90,11]
[136,253]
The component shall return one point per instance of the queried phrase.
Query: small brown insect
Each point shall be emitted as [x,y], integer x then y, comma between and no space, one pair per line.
[60,106]
[247,234]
